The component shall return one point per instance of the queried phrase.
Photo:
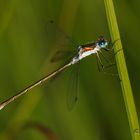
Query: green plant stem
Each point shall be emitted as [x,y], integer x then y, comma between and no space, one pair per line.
[122,70]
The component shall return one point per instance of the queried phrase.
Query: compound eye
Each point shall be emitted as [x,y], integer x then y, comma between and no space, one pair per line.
[101,43]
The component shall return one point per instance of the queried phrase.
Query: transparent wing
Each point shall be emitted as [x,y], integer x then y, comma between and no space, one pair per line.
[73,87]
[65,49]
[63,45]
[62,55]
[57,39]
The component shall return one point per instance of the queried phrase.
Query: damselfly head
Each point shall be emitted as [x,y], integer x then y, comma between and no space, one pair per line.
[102,42]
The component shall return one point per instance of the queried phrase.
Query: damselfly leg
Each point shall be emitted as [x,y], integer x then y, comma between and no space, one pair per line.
[111,45]
[106,61]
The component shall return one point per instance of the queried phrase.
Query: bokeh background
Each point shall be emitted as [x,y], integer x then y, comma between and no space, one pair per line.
[25,55]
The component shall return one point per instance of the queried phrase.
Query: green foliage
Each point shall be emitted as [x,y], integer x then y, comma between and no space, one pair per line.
[24,58]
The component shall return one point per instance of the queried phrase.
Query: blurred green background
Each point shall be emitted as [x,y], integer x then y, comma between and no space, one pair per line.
[24,58]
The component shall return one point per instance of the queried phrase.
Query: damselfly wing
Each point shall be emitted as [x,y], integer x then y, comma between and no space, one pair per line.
[66,49]
[58,39]
[73,87]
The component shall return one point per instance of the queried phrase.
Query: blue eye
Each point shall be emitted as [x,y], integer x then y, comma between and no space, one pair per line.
[101,43]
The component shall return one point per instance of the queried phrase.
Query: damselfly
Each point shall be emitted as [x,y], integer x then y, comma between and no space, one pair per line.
[82,52]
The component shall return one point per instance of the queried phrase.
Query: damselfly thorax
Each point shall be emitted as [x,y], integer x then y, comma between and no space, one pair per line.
[90,48]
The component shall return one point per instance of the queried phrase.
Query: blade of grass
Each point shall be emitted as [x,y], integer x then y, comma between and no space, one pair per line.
[122,70]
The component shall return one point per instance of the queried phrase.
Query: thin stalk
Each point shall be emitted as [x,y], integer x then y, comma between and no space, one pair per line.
[39,82]
[122,70]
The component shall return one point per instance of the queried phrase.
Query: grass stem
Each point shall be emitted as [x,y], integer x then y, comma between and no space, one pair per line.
[122,70]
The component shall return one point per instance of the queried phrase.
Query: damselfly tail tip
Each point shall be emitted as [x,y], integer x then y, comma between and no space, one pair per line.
[1,107]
